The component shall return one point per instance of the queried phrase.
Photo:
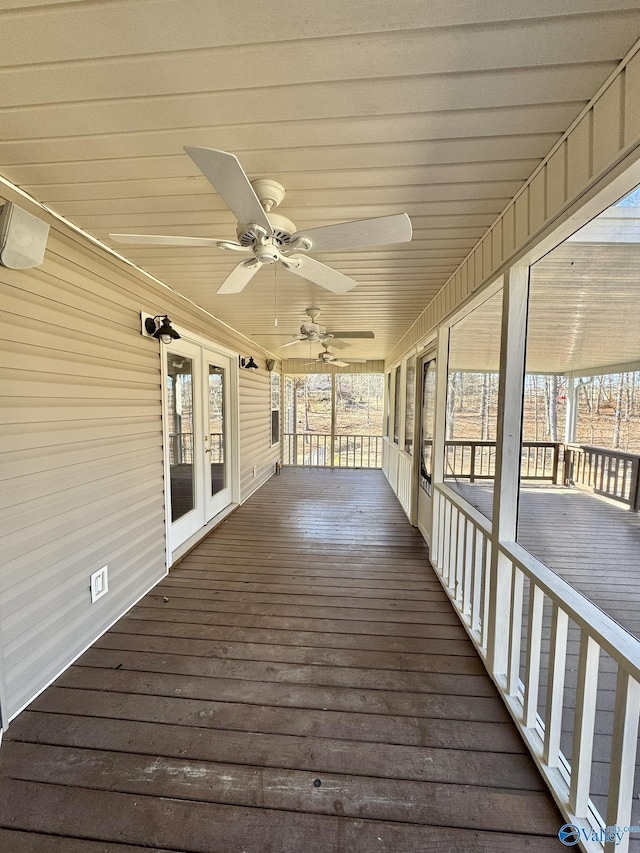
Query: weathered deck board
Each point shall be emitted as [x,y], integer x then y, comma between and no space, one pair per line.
[305,639]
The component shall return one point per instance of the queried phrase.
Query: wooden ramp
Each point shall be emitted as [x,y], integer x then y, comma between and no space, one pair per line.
[299,682]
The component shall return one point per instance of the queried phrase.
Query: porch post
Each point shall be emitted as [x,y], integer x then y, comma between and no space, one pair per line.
[293,459]
[440,425]
[508,453]
[333,417]
[572,409]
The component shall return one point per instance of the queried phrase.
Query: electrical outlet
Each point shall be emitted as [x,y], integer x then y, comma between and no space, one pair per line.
[99,583]
[255,470]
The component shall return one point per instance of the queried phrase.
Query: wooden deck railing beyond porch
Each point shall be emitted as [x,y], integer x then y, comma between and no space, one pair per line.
[475,460]
[611,473]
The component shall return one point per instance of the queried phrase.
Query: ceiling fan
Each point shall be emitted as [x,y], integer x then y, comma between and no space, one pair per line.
[269,237]
[327,357]
[313,332]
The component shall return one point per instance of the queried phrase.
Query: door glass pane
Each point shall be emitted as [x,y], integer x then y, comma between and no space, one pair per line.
[427,422]
[215,444]
[410,384]
[180,409]
[275,408]
[396,408]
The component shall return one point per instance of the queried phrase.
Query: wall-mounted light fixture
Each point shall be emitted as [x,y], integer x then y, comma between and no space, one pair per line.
[247,362]
[159,327]
[271,363]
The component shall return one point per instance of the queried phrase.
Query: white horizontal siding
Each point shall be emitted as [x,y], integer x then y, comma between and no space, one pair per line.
[81,462]
[81,457]
[255,434]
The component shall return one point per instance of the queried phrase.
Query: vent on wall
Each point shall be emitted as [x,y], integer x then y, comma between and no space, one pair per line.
[23,238]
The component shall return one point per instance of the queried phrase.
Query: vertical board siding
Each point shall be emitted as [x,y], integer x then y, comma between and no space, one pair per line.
[81,451]
[608,130]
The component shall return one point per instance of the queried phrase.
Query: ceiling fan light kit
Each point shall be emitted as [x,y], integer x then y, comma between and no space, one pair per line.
[327,357]
[270,237]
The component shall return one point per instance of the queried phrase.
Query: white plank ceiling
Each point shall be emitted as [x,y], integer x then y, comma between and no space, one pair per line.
[440,108]
[584,306]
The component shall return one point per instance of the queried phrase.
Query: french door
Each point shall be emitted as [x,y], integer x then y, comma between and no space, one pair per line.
[426,428]
[199,437]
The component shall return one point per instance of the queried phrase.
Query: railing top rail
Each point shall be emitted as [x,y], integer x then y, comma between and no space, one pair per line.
[465,508]
[466,442]
[608,451]
[542,444]
[344,434]
[612,637]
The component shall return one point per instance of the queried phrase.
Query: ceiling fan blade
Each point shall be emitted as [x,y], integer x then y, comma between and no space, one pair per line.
[363,335]
[339,363]
[331,341]
[226,175]
[239,277]
[309,363]
[359,234]
[292,343]
[164,240]
[320,274]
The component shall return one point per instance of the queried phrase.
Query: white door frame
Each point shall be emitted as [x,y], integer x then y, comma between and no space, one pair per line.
[204,350]
[424,501]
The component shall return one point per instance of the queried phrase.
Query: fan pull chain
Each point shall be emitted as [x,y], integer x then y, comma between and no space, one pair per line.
[275,295]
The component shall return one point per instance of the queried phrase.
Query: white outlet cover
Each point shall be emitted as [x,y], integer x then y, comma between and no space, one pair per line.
[99,583]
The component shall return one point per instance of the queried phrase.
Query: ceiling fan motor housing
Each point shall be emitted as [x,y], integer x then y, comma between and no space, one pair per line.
[267,252]
[270,192]
[267,249]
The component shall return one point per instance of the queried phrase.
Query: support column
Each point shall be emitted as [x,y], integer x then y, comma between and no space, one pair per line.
[439,427]
[333,417]
[293,459]
[572,411]
[508,454]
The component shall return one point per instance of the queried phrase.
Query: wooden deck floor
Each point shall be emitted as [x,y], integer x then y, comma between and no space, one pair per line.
[298,683]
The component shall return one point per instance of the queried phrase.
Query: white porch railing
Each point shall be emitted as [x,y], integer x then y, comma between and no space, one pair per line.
[337,451]
[461,555]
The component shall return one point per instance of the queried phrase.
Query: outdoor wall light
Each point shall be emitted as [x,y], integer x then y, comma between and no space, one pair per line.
[159,327]
[248,363]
